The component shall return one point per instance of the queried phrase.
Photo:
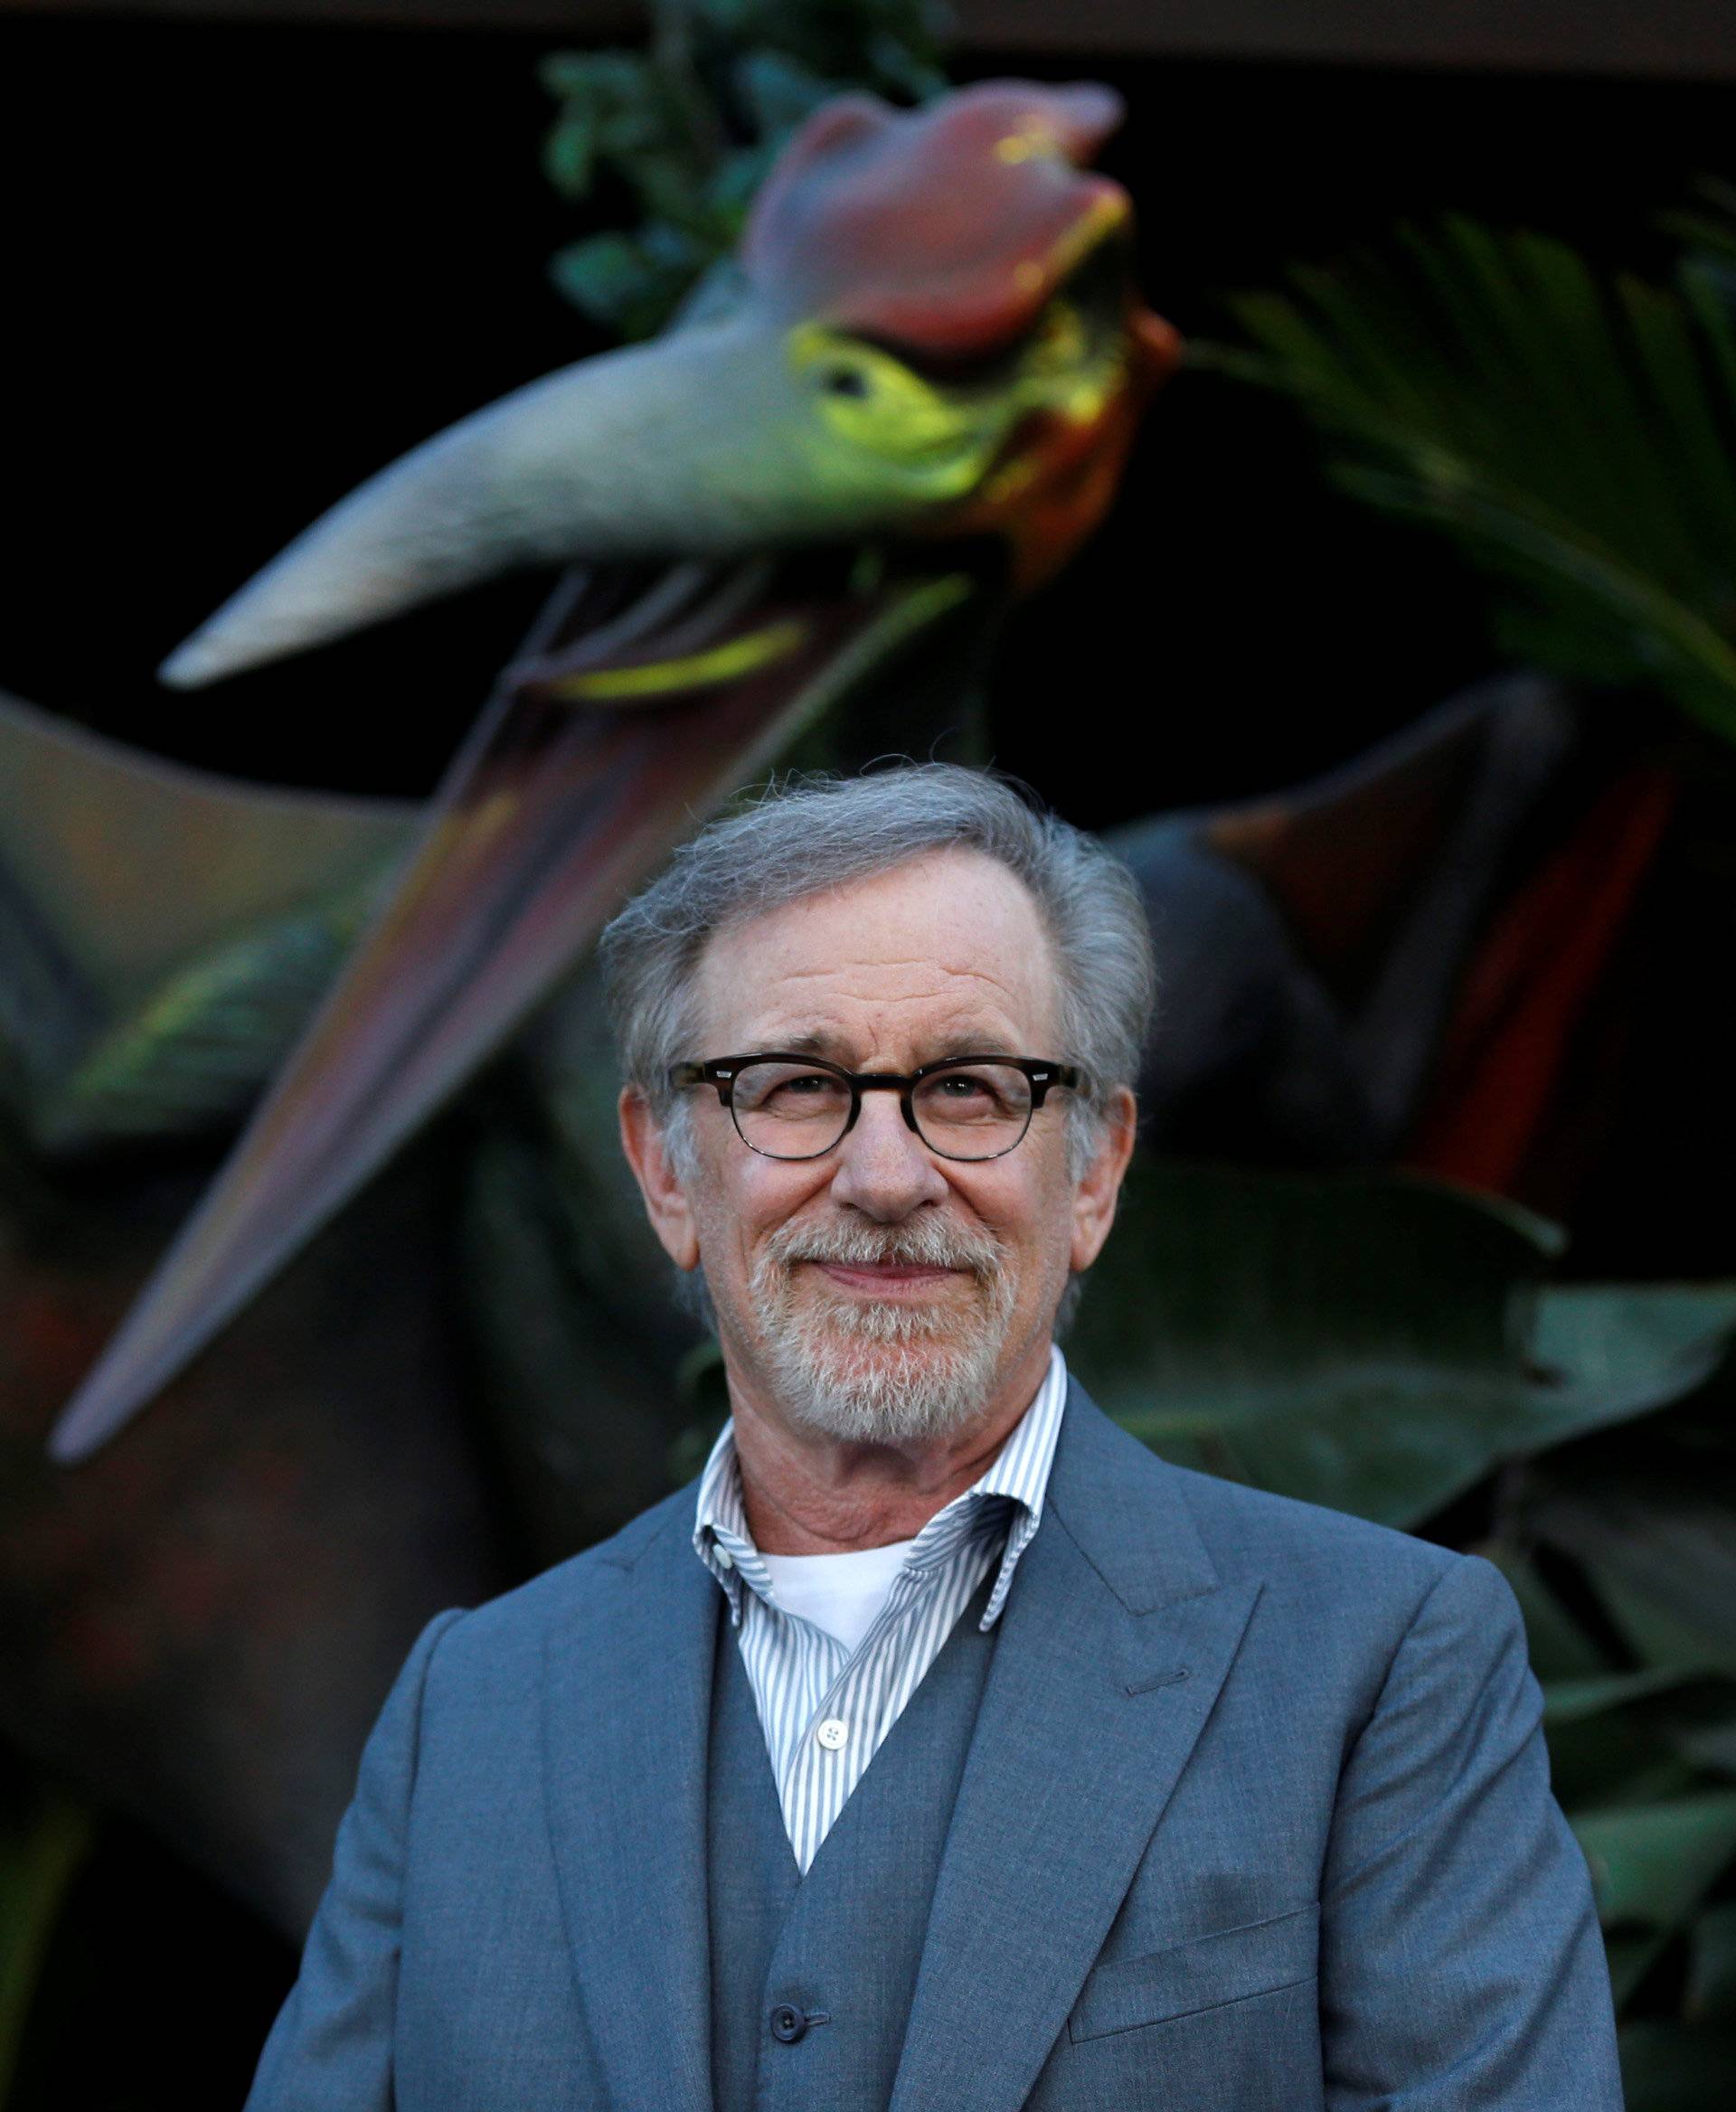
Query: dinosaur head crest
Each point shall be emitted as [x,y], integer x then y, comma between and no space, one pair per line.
[943,231]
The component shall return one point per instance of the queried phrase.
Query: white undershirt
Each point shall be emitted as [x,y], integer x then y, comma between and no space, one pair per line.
[840,1594]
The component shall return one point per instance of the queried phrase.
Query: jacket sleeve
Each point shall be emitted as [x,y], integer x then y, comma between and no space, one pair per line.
[330,2049]
[1461,1968]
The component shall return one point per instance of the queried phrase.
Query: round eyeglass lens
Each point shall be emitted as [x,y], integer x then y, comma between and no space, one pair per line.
[975,1111]
[789,1110]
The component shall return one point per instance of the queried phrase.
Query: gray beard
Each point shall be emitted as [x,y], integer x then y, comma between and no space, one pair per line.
[872,1373]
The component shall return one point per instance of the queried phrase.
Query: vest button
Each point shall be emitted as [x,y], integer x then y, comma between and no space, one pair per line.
[787,2024]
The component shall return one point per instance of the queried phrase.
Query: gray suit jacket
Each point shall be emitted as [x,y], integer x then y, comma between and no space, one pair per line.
[1256,1819]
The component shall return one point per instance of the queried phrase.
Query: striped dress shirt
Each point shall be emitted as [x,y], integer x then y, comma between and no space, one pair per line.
[826,1709]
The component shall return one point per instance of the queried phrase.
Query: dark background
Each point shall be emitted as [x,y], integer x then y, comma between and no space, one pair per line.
[243,267]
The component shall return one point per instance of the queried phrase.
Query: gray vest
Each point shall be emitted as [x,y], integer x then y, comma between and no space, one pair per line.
[842,1943]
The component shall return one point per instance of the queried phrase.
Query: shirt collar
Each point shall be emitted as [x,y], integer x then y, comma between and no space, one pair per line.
[1012,1487]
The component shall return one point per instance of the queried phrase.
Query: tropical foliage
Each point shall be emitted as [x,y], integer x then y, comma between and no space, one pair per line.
[1575,437]
[684,131]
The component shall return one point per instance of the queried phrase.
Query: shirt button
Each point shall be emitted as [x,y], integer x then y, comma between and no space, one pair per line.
[787,2024]
[833,1732]
[725,1559]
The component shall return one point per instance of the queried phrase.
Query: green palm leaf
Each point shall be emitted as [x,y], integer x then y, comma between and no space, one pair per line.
[1372,1342]
[1576,439]
[1712,230]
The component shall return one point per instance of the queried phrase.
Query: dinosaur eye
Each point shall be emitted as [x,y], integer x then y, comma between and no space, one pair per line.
[846,382]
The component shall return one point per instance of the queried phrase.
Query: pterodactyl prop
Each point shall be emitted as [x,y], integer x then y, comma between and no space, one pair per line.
[931,342]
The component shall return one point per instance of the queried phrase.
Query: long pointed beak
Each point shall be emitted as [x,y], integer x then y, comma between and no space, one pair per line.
[685,446]
[584,770]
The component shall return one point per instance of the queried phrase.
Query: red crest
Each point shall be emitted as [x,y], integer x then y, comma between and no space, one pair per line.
[945,229]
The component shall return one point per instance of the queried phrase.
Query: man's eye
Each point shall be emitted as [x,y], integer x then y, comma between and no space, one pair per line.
[962,1094]
[804,1085]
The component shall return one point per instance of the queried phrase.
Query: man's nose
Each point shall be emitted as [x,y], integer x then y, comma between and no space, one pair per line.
[883,1168]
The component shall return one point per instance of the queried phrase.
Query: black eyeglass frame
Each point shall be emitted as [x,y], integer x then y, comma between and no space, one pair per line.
[721,1073]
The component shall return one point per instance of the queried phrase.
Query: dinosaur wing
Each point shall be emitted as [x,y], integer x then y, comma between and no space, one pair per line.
[164,931]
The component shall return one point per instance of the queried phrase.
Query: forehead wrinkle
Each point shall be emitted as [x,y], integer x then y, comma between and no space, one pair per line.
[956,988]
[840,996]
[830,971]
[814,1038]
[985,1018]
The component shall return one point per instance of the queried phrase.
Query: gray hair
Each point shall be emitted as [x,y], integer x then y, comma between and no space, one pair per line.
[812,834]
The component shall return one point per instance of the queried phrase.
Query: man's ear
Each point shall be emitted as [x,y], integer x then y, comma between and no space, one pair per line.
[665,1200]
[1094,1200]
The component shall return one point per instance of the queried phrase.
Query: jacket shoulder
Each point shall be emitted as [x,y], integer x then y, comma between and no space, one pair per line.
[1246,1529]
[1196,1527]
[1341,1595]
[504,1636]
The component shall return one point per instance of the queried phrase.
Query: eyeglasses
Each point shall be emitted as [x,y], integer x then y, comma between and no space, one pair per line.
[969,1107]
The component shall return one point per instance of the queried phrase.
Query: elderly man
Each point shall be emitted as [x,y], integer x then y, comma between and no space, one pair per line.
[940,1748]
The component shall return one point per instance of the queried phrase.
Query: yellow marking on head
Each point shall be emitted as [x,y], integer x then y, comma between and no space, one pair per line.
[875,403]
[1018,146]
[658,678]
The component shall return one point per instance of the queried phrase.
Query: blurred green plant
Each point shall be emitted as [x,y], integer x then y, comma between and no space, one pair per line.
[1708,230]
[682,133]
[1574,436]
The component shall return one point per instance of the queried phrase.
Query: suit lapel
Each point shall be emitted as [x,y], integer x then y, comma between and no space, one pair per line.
[626,1714]
[1116,1635]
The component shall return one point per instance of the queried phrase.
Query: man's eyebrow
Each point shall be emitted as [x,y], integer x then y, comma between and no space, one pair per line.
[809,1041]
[804,1041]
[823,1042]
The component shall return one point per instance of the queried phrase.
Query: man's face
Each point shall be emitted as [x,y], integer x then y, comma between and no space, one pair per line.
[883,1292]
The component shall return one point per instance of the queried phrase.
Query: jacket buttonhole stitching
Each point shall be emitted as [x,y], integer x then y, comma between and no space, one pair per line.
[1163,1679]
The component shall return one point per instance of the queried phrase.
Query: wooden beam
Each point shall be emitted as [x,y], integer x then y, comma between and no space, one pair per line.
[1643,39]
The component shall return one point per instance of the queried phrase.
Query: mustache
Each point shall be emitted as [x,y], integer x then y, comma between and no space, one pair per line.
[923,1242]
